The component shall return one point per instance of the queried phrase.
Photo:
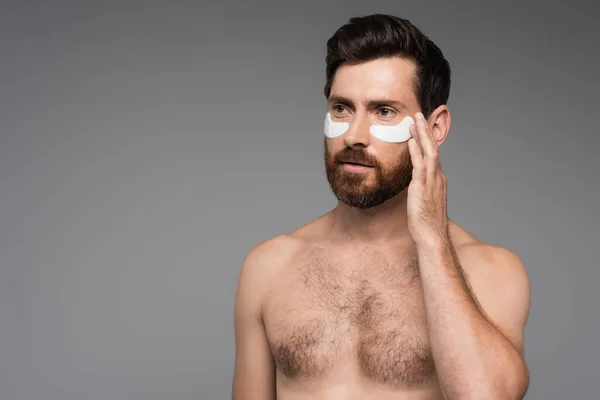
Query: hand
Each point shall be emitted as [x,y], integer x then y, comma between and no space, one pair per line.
[427,198]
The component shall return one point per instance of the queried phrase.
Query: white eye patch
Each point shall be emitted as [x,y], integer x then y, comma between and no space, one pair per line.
[334,129]
[393,134]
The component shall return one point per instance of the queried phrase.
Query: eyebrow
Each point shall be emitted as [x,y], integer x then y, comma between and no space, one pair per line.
[376,103]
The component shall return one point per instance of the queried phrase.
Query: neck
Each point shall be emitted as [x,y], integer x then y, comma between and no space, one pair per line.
[383,223]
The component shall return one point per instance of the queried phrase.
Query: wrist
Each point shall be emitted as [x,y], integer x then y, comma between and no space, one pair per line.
[433,244]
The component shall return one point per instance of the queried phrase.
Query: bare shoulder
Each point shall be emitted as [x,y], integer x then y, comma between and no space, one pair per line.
[485,259]
[499,280]
[268,261]
[266,258]
[269,258]
[488,263]
[258,272]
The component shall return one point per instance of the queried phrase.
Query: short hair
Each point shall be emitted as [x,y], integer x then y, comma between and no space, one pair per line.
[379,36]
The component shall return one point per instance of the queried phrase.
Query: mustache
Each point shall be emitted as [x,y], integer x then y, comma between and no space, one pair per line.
[356,156]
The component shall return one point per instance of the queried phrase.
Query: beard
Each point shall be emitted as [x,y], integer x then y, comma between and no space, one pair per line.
[370,189]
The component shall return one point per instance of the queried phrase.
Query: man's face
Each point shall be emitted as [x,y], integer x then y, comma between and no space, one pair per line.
[379,92]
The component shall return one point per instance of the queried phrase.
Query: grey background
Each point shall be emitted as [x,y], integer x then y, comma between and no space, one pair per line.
[146,146]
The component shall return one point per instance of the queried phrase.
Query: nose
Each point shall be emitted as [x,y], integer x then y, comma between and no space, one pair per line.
[358,132]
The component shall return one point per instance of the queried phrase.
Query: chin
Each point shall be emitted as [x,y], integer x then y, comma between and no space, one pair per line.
[363,199]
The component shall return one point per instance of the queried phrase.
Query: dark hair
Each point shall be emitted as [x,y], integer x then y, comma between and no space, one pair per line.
[379,35]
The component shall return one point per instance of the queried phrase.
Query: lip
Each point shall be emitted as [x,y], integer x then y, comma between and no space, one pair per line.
[356,168]
[355,163]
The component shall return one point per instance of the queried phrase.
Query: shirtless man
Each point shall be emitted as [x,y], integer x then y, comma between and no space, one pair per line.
[383,297]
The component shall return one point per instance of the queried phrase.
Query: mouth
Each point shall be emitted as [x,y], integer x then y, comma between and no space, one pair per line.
[356,168]
[360,164]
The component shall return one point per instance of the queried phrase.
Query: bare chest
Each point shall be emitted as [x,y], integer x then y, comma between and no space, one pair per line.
[362,309]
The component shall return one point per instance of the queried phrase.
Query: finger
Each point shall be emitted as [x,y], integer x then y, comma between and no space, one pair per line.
[416,157]
[425,136]
[415,135]
[418,161]
[430,150]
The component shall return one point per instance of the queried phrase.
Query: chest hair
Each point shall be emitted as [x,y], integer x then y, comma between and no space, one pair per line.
[357,306]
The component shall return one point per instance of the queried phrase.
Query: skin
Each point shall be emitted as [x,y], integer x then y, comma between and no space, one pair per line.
[395,301]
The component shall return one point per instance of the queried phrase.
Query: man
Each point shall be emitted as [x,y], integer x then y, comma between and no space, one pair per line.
[383,297]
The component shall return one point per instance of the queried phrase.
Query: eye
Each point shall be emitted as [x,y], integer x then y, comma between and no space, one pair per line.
[338,108]
[386,112]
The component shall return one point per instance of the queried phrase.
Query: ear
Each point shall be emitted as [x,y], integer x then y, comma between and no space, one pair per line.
[439,122]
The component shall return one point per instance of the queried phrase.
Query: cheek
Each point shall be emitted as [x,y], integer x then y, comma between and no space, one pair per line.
[332,146]
[389,154]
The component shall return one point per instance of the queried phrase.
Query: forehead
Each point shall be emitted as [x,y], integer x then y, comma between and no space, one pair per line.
[383,78]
